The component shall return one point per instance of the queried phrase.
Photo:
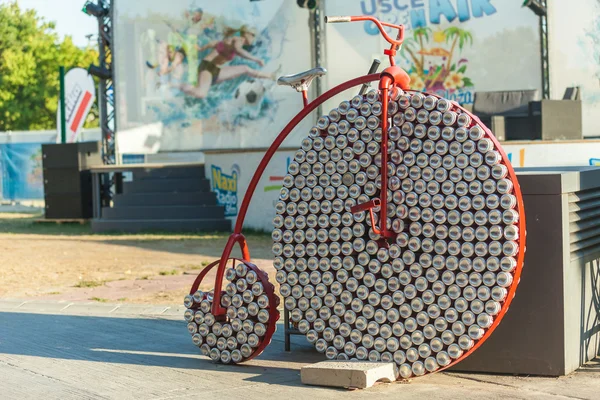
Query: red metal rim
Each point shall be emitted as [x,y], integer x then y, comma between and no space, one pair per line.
[269,289]
[273,311]
[201,276]
[522,234]
[521,226]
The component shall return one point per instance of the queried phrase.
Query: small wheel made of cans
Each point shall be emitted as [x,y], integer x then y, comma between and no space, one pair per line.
[248,326]
[429,298]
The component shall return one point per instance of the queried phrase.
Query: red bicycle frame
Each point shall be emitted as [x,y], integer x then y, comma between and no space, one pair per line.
[390,77]
[237,236]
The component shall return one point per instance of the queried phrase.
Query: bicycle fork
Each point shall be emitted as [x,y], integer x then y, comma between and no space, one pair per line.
[391,77]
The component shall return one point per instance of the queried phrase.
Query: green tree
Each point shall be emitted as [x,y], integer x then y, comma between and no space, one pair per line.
[30,55]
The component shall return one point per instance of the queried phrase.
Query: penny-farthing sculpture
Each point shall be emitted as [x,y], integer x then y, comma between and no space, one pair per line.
[399,234]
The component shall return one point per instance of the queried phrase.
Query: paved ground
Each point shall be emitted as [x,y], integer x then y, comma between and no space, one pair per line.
[62,350]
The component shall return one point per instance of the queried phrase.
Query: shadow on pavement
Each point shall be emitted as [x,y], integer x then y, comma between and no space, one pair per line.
[139,341]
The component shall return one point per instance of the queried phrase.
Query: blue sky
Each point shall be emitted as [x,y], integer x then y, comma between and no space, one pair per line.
[67,15]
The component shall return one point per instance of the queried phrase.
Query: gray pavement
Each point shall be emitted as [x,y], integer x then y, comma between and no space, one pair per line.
[59,350]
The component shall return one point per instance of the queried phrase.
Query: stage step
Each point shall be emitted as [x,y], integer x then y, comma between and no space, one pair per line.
[162,213]
[170,172]
[170,185]
[165,199]
[157,225]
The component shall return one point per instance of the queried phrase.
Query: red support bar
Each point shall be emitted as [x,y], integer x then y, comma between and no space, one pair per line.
[369,205]
[238,238]
[385,92]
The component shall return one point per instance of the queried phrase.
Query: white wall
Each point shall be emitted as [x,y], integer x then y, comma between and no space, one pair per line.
[242,166]
[554,154]
[262,207]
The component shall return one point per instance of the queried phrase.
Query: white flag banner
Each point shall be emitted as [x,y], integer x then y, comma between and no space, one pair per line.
[80,94]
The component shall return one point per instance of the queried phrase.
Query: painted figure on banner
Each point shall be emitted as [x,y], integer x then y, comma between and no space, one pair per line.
[210,72]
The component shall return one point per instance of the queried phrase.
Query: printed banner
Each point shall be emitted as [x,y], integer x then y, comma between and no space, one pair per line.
[22,173]
[206,70]
[452,47]
[262,207]
[230,175]
[80,94]
[225,187]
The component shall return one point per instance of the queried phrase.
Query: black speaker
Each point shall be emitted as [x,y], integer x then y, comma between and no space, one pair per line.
[72,155]
[67,179]
[69,206]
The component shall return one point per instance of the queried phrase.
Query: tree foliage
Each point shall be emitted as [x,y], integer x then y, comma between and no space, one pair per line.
[30,56]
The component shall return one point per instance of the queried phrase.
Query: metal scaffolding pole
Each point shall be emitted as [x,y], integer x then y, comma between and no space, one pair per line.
[106,90]
[545,53]
[315,21]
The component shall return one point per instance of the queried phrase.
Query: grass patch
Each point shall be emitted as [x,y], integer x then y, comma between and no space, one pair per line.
[188,267]
[255,232]
[168,273]
[25,223]
[99,299]
[52,293]
[89,284]
[144,278]
[122,299]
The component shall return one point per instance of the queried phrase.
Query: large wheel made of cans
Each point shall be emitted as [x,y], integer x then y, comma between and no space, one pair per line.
[432,295]
[252,314]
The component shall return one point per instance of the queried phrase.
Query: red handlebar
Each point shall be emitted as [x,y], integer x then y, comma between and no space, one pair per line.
[396,42]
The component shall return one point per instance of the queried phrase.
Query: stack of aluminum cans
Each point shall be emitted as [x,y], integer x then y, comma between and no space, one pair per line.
[425,298]
[235,337]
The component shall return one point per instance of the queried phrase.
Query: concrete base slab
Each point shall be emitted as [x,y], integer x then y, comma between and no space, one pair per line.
[348,374]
